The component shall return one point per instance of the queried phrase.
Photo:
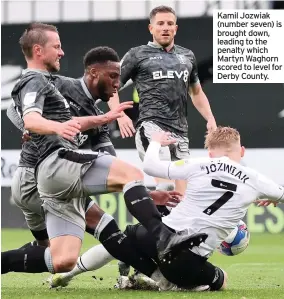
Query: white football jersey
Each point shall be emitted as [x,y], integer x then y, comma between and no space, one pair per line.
[219,192]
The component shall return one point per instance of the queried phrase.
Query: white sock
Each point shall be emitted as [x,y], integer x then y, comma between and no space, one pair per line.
[161,281]
[104,221]
[93,259]
[157,275]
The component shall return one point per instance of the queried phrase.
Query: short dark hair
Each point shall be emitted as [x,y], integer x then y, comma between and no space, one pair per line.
[34,34]
[161,8]
[100,55]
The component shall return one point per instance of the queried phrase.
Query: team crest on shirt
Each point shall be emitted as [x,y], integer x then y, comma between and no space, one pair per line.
[181,58]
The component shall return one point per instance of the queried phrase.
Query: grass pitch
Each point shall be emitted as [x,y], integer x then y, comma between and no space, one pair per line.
[258,273]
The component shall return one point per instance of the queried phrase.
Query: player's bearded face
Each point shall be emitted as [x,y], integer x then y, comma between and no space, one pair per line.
[52,52]
[163,28]
[108,81]
[102,89]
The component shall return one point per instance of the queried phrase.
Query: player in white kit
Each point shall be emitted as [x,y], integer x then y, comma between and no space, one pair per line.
[219,192]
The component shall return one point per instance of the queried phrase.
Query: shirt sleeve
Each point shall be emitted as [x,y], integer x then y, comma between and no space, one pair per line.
[269,189]
[194,72]
[14,117]
[127,67]
[33,95]
[153,166]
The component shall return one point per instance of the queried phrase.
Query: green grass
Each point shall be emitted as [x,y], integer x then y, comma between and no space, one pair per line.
[258,273]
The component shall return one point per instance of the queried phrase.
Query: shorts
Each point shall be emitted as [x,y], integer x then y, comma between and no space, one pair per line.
[26,197]
[173,152]
[107,149]
[187,270]
[64,184]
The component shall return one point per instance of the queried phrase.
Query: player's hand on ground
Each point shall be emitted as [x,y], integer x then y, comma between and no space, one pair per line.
[166,198]
[265,203]
[68,129]
[126,126]
[211,124]
[164,138]
[117,112]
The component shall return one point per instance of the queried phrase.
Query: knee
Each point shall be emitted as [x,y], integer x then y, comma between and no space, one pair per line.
[64,263]
[221,283]
[224,286]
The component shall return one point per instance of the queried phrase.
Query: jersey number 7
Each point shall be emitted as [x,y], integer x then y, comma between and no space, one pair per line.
[224,198]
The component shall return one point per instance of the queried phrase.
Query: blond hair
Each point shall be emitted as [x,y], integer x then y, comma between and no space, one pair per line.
[222,137]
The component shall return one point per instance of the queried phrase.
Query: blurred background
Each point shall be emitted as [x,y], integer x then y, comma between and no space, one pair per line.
[256,110]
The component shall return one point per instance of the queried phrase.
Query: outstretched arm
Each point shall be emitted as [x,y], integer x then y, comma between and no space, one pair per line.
[153,166]
[199,98]
[269,190]
[201,103]
[34,122]
[89,122]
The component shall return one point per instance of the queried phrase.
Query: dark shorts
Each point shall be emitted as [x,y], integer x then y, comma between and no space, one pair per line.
[187,270]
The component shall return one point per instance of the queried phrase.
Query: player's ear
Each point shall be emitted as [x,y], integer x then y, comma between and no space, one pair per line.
[93,72]
[243,151]
[176,30]
[37,49]
[210,154]
[150,27]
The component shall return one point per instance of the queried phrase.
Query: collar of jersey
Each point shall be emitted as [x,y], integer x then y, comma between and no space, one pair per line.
[154,45]
[86,90]
[46,73]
